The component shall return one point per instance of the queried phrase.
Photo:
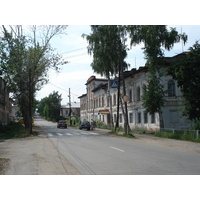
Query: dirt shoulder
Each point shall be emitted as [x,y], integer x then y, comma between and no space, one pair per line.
[35,155]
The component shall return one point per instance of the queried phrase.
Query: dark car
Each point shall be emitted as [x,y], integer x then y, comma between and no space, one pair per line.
[62,123]
[85,125]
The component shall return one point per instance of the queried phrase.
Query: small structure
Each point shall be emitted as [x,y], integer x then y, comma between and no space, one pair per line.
[75,110]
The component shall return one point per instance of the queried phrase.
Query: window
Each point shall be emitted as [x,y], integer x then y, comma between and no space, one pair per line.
[102,101]
[144,89]
[171,88]
[99,102]
[120,118]
[96,103]
[115,117]
[130,95]
[131,117]
[108,102]
[145,117]
[153,118]
[139,117]
[138,93]
[114,99]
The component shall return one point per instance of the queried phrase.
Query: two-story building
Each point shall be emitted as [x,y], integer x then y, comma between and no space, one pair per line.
[95,104]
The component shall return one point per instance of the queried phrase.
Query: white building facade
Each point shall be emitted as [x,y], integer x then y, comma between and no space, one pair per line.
[95,103]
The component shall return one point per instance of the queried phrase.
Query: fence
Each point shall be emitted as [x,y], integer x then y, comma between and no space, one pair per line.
[191,135]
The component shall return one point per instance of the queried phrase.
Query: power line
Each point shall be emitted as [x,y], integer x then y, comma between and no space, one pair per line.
[77,55]
[62,89]
[74,50]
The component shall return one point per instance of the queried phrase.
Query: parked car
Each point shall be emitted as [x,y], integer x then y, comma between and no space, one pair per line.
[62,123]
[85,125]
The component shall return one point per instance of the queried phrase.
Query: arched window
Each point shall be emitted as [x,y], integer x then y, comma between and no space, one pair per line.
[171,88]
[138,93]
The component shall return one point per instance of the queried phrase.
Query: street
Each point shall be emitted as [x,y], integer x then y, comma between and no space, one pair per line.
[92,153]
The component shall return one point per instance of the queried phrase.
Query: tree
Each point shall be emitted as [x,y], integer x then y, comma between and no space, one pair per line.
[25,62]
[186,71]
[107,44]
[49,107]
[155,39]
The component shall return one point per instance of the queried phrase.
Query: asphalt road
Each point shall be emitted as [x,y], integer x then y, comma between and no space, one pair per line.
[91,153]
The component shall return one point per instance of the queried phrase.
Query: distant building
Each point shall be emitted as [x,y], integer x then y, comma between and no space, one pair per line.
[95,103]
[75,109]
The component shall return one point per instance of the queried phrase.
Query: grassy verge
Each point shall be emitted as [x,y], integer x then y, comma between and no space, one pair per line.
[14,130]
[179,135]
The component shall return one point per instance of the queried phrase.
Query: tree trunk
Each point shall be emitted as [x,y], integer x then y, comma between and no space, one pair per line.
[118,96]
[111,113]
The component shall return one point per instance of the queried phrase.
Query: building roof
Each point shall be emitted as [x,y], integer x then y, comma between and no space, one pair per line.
[83,95]
[92,78]
[73,105]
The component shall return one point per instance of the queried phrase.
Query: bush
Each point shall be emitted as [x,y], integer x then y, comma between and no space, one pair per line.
[13,130]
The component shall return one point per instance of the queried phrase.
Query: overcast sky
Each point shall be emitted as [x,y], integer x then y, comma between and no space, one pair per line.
[73,48]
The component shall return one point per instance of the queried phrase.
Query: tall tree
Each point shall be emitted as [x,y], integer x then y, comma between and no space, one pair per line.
[25,61]
[107,45]
[186,71]
[156,39]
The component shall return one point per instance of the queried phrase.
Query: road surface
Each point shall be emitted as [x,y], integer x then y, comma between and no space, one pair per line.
[90,153]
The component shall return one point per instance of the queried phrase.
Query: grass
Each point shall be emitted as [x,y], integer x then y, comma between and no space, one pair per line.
[178,135]
[14,130]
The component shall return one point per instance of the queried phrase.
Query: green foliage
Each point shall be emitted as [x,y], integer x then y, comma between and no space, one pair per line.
[49,107]
[25,61]
[155,40]
[187,73]
[188,135]
[153,96]
[13,130]
[106,43]
[197,124]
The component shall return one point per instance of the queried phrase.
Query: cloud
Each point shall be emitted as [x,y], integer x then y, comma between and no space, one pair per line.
[63,81]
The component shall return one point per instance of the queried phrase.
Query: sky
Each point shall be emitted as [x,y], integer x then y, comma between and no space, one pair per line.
[73,48]
[78,15]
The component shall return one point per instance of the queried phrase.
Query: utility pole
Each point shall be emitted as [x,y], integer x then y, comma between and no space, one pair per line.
[70,109]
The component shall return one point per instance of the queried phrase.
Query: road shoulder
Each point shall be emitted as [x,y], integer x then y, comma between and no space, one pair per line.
[35,155]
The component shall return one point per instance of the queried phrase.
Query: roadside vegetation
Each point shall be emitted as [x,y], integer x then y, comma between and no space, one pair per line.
[187,135]
[14,130]
[49,107]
